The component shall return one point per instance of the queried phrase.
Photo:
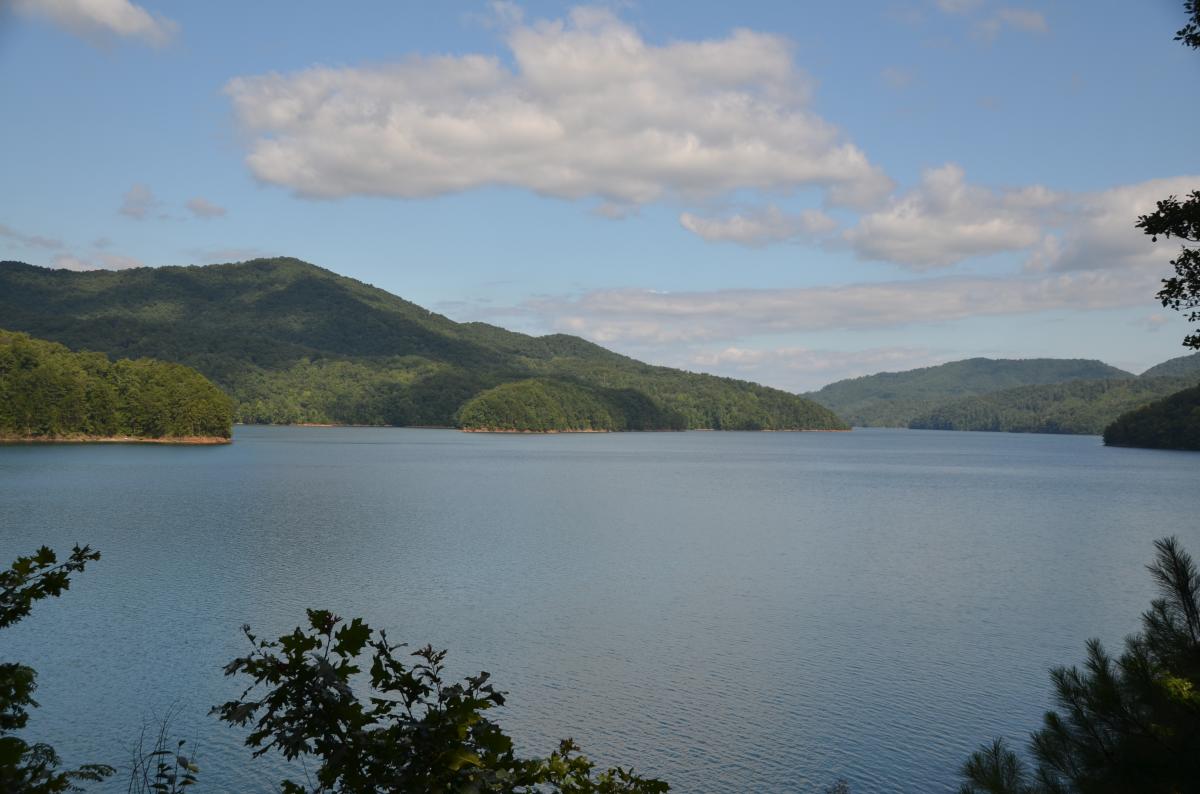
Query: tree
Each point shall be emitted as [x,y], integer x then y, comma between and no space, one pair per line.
[414,731]
[33,768]
[1181,219]
[1127,724]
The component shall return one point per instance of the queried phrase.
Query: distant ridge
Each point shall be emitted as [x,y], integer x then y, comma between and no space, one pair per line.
[292,342]
[894,399]
[1175,367]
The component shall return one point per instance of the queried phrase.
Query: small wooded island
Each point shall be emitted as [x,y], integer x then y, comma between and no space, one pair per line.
[49,393]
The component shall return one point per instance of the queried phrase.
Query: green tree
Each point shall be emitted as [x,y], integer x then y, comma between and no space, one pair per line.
[1181,219]
[1130,724]
[34,768]
[414,731]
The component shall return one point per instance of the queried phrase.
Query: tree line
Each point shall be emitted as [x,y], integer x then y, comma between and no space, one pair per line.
[49,392]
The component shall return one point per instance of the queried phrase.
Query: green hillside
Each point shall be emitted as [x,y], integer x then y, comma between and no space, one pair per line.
[1170,423]
[292,342]
[1081,406]
[894,399]
[48,392]
[1176,367]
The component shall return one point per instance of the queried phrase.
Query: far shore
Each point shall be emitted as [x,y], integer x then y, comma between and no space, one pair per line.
[511,431]
[80,438]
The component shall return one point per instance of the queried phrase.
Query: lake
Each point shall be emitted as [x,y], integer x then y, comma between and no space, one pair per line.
[728,611]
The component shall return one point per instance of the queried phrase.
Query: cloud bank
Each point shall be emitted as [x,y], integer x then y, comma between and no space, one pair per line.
[589,109]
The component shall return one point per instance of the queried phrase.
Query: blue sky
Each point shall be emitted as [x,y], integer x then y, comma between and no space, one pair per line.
[783,191]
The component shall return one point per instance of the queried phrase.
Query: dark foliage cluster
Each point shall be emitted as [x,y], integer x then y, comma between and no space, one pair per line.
[1126,724]
[1170,423]
[414,731]
[1081,406]
[27,768]
[291,342]
[409,730]
[47,391]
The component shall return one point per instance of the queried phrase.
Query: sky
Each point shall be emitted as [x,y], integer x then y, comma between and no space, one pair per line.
[787,192]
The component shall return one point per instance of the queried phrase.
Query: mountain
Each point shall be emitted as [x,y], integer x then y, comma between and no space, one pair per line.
[48,392]
[1175,367]
[893,399]
[292,342]
[1170,423]
[1079,406]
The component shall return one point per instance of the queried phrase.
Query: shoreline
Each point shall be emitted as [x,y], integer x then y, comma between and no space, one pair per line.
[86,439]
[511,431]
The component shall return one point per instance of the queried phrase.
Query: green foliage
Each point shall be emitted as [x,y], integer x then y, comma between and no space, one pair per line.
[1170,423]
[46,391]
[1122,725]
[1179,367]
[291,342]
[894,399]
[542,405]
[33,768]
[414,731]
[1082,406]
[1179,219]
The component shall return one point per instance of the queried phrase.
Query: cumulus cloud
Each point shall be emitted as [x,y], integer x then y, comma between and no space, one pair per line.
[1023,19]
[945,220]
[759,227]
[203,208]
[28,240]
[589,109]
[102,20]
[652,318]
[138,202]
[1101,234]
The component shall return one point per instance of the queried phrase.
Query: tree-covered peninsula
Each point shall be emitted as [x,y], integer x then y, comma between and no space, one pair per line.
[1170,423]
[49,393]
[294,343]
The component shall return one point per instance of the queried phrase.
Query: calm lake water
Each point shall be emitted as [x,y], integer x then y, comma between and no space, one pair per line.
[729,611]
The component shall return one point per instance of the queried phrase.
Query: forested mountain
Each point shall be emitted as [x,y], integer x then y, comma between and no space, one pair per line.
[1170,423]
[893,399]
[292,342]
[1175,367]
[1080,406]
[49,392]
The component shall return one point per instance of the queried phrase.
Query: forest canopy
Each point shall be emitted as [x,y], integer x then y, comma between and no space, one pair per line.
[50,392]
[292,343]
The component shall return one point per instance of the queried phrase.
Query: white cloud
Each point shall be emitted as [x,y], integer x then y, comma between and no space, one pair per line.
[1022,19]
[945,220]
[759,227]
[138,202]
[802,368]
[99,20]
[102,262]
[590,109]
[1101,234]
[629,316]
[203,208]
[28,240]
